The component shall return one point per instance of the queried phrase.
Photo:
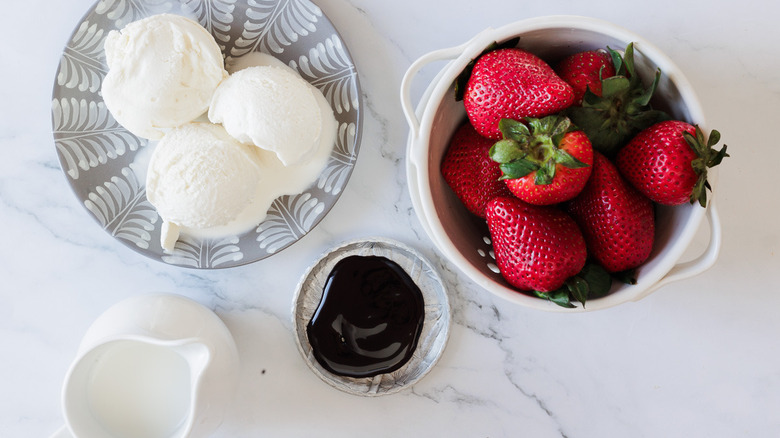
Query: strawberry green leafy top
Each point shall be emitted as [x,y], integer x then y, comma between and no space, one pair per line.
[623,109]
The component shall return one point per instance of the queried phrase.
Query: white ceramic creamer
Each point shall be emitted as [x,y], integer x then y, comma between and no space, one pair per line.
[153,366]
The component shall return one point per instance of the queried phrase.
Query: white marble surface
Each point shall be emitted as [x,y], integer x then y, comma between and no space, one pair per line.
[697,358]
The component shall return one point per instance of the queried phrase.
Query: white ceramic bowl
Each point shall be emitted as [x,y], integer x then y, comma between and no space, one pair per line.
[463,238]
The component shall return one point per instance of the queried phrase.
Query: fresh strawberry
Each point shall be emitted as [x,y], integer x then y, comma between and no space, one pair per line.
[463,77]
[668,162]
[512,83]
[585,70]
[544,161]
[622,109]
[616,220]
[469,171]
[537,247]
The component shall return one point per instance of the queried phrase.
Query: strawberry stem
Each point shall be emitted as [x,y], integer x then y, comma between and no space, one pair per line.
[707,157]
[533,146]
[622,110]
[593,281]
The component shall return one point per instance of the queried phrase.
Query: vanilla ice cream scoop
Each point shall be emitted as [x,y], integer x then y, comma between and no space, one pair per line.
[200,177]
[163,71]
[271,107]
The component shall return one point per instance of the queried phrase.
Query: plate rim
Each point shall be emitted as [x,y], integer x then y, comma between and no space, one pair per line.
[160,257]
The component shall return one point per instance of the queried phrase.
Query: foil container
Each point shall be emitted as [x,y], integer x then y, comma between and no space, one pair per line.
[436,324]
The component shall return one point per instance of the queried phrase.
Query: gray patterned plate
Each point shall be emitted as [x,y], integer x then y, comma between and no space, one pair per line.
[96,153]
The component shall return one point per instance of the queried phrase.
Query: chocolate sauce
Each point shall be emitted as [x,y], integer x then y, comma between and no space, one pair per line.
[369,318]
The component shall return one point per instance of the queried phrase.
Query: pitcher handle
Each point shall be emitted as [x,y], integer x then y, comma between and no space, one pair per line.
[694,267]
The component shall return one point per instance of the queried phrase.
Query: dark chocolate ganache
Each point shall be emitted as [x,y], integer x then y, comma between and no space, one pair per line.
[369,318]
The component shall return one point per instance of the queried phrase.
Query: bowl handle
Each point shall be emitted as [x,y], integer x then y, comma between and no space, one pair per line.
[694,267]
[482,39]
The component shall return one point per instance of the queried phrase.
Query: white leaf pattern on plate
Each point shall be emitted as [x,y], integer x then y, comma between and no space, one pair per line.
[289,218]
[328,68]
[272,25]
[98,154]
[122,12]
[121,207]
[334,177]
[209,253]
[214,15]
[83,63]
[86,135]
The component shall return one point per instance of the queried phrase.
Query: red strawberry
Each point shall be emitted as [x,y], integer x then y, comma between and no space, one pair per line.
[544,162]
[585,70]
[622,109]
[512,83]
[537,247]
[469,171]
[616,220]
[668,162]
